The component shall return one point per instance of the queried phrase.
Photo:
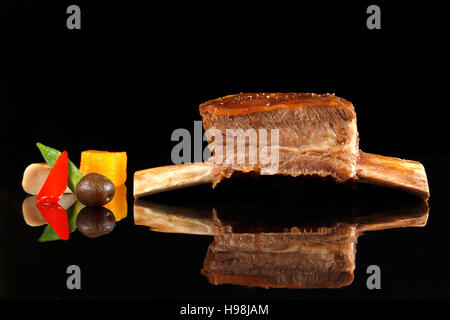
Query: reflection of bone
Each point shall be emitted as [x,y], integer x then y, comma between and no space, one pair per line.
[32,215]
[415,215]
[324,258]
[171,219]
[303,256]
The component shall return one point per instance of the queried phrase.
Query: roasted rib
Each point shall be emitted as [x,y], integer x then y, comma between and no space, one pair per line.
[316,134]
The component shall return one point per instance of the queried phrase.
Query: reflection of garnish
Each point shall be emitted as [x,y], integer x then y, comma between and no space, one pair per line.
[51,155]
[118,204]
[56,217]
[50,235]
[56,182]
[94,222]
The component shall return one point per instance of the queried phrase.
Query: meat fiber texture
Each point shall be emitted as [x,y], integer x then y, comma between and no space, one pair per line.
[317,134]
[324,259]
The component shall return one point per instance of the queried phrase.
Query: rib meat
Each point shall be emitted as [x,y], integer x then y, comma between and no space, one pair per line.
[317,133]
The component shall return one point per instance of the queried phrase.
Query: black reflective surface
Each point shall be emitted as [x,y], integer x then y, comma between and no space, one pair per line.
[133,261]
[135,73]
[279,251]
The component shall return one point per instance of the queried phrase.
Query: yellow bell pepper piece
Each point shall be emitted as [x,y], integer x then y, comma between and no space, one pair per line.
[118,205]
[112,165]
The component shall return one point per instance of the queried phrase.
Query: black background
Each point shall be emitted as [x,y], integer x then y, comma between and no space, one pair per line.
[135,72]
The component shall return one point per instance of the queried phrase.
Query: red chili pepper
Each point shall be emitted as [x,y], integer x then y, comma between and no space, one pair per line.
[56,182]
[56,217]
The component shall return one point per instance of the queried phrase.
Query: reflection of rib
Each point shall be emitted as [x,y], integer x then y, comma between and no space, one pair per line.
[415,215]
[283,260]
[308,254]
[322,257]
[171,219]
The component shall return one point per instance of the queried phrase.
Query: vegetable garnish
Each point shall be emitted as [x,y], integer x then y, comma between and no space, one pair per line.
[95,190]
[112,165]
[56,217]
[50,235]
[118,204]
[51,155]
[56,182]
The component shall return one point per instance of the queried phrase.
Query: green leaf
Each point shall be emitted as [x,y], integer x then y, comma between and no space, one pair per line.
[48,235]
[51,155]
[72,214]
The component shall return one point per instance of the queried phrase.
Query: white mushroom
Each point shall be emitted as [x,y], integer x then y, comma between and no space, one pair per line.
[34,177]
